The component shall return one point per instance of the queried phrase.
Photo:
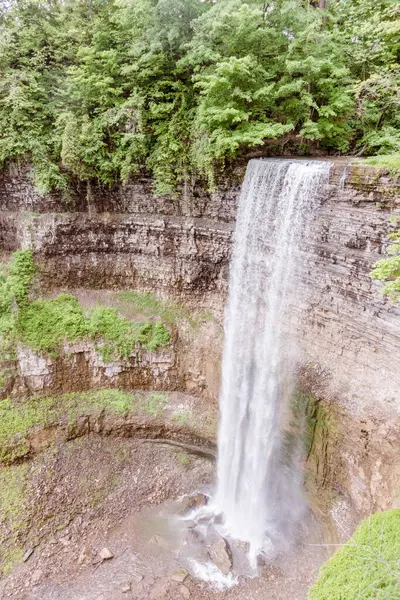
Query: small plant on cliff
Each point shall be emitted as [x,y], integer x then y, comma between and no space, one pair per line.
[45,324]
[367,567]
[388,269]
[15,281]
[121,336]
[155,404]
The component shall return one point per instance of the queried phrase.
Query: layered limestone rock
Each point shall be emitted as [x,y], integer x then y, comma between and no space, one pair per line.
[349,334]
[81,366]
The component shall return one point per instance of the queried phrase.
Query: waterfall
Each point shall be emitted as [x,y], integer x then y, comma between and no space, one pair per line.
[258,493]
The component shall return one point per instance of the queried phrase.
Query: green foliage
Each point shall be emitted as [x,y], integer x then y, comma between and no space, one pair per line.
[100,90]
[367,566]
[45,325]
[155,404]
[391,162]
[388,269]
[121,336]
[16,282]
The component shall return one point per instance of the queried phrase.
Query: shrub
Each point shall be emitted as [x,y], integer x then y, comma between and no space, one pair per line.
[45,324]
[388,269]
[367,567]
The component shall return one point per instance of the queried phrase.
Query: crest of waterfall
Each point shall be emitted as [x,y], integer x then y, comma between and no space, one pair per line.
[258,492]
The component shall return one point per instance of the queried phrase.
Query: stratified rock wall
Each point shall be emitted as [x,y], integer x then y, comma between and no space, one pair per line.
[348,335]
[181,247]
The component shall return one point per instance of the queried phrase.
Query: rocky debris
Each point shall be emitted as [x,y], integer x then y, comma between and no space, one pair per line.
[65,541]
[27,554]
[84,555]
[125,587]
[106,554]
[179,575]
[137,577]
[36,576]
[159,591]
[188,503]
[184,592]
[220,554]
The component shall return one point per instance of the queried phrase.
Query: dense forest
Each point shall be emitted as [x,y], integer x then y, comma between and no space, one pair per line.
[103,89]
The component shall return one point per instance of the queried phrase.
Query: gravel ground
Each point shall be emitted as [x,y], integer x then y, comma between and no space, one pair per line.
[97,494]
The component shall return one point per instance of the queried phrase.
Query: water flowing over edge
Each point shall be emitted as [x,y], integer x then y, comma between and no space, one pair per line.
[259,490]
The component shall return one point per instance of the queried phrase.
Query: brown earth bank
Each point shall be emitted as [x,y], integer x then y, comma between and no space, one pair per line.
[92,509]
[98,519]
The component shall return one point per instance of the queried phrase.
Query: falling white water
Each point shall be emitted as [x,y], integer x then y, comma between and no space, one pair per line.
[258,494]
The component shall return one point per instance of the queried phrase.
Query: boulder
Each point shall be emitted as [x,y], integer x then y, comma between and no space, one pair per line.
[159,591]
[179,575]
[220,554]
[106,554]
[184,592]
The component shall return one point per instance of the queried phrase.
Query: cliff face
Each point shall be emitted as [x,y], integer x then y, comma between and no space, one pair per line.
[349,335]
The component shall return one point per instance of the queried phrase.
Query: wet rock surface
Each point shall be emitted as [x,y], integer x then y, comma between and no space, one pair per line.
[220,553]
[103,518]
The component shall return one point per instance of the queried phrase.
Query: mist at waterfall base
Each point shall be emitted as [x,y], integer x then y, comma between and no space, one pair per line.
[259,496]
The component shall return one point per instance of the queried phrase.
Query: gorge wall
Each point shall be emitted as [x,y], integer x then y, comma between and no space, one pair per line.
[180,248]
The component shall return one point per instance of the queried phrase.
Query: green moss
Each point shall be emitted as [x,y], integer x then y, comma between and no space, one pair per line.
[367,567]
[169,312]
[391,162]
[19,419]
[312,421]
[44,325]
[155,404]
[13,513]
[12,495]
[10,558]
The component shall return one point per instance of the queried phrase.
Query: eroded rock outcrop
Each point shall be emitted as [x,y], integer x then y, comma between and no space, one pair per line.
[349,335]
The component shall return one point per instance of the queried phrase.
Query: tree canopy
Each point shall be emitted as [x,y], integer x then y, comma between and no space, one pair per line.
[103,89]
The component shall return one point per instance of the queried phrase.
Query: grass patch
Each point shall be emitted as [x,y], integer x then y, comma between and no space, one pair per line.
[169,312]
[155,404]
[182,418]
[44,325]
[367,566]
[18,419]
[183,459]
[391,162]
